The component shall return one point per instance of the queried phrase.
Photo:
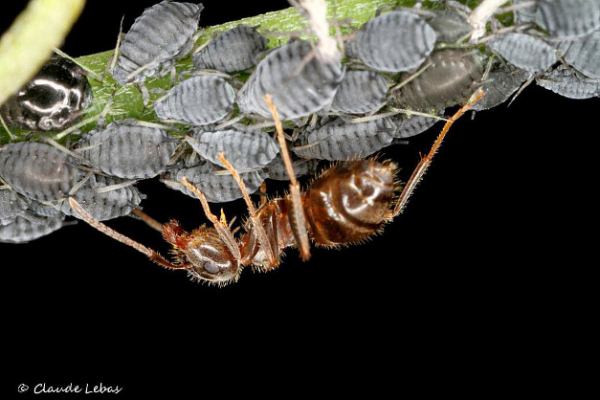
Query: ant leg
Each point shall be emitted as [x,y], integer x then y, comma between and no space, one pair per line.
[151,222]
[418,173]
[220,226]
[297,218]
[94,223]
[259,229]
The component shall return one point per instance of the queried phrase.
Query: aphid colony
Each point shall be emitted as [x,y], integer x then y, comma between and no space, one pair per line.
[339,106]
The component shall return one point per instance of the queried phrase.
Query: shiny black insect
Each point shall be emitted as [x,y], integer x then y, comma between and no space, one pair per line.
[52,101]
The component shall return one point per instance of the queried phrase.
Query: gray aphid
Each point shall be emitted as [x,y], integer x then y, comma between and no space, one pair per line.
[160,36]
[277,171]
[218,188]
[393,42]
[200,100]
[568,18]
[11,205]
[23,230]
[583,54]
[450,26]
[38,171]
[360,92]
[127,149]
[499,86]
[299,82]
[564,82]
[234,50]
[524,51]
[414,125]
[450,79]
[105,205]
[341,140]
[245,149]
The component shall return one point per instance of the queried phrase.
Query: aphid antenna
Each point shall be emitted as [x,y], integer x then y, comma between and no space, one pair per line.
[229,122]
[112,62]
[503,31]
[10,134]
[413,76]
[410,113]
[116,186]
[90,72]
[62,148]
[79,184]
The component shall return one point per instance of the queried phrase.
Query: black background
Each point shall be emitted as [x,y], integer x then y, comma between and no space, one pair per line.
[485,265]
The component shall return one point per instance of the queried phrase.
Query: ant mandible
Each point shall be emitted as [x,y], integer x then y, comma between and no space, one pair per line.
[347,203]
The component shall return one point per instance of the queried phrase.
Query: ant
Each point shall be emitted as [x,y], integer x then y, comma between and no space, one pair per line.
[347,203]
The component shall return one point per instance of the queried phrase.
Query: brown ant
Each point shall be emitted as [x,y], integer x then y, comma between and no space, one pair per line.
[347,203]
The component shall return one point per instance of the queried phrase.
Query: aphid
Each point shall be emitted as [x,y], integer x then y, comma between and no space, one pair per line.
[524,51]
[248,149]
[53,100]
[393,42]
[276,169]
[128,149]
[105,198]
[299,81]
[163,34]
[408,127]
[449,26]
[583,54]
[341,140]
[38,171]
[568,18]
[11,205]
[500,85]
[346,204]
[234,50]
[566,83]
[527,13]
[210,179]
[360,92]
[449,78]
[23,229]
[200,100]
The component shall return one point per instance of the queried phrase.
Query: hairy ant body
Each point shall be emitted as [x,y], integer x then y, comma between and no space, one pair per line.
[347,203]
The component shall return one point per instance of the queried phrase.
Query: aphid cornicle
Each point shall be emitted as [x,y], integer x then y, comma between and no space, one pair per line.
[163,34]
[53,100]
[38,171]
[451,77]
[393,42]
[299,81]
[200,100]
[128,149]
[234,50]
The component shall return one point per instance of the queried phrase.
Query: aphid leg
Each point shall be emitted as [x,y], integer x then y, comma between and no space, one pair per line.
[418,173]
[259,229]
[222,229]
[112,61]
[297,217]
[89,71]
[94,223]
[10,134]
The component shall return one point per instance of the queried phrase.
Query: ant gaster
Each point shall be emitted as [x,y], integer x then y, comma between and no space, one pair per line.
[347,203]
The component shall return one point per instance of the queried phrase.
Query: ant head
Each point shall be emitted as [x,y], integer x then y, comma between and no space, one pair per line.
[210,258]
